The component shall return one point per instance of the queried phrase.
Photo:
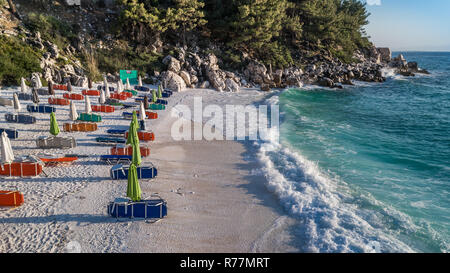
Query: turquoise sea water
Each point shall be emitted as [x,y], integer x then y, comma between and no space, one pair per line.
[367,168]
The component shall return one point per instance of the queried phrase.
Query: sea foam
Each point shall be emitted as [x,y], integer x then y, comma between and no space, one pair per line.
[330,219]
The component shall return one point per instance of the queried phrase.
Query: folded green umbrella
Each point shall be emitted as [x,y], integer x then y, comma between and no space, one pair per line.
[133,188]
[133,140]
[159,91]
[154,99]
[54,129]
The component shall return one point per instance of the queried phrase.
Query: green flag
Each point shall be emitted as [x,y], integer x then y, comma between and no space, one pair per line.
[159,91]
[154,99]
[133,189]
[54,129]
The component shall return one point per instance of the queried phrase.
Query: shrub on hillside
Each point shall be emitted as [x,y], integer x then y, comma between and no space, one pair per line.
[17,59]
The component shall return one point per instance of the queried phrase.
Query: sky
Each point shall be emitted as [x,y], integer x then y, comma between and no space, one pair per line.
[410,25]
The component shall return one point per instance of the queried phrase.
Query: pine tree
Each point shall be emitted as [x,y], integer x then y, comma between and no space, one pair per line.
[186,15]
[257,22]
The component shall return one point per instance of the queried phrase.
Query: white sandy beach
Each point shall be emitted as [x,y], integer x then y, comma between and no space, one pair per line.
[217,198]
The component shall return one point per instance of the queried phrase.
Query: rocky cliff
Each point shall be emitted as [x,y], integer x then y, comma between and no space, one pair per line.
[71,59]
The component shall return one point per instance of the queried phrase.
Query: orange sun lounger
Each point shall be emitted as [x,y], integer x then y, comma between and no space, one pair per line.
[21,169]
[73,96]
[80,127]
[91,93]
[144,136]
[60,87]
[120,96]
[54,160]
[58,101]
[103,108]
[11,198]
[128,150]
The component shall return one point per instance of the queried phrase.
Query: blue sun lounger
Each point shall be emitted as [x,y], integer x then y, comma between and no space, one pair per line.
[110,140]
[12,133]
[102,87]
[40,109]
[141,88]
[123,208]
[24,96]
[161,101]
[116,131]
[20,118]
[119,172]
[115,159]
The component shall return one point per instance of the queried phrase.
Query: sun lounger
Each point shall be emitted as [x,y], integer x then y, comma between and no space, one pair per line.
[116,131]
[42,91]
[52,160]
[111,101]
[103,108]
[24,96]
[123,208]
[144,136]
[110,140]
[11,198]
[131,92]
[80,127]
[120,172]
[52,142]
[166,94]
[102,87]
[121,96]
[128,150]
[161,101]
[60,87]
[73,96]
[25,166]
[11,133]
[150,115]
[128,105]
[94,93]
[116,159]
[40,109]
[58,101]
[154,106]
[20,118]
[141,88]
[6,102]
[89,117]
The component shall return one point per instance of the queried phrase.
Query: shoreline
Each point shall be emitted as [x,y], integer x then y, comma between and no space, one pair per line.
[210,186]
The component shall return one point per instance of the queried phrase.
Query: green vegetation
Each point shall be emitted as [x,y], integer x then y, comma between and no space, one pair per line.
[122,56]
[51,28]
[17,60]
[270,30]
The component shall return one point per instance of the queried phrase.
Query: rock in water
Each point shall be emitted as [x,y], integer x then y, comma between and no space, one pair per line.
[326,82]
[385,53]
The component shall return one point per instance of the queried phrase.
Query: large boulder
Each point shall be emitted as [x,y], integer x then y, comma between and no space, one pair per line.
[326,82]
[172,81]
[172,64]
[216,79]
[257,73]
[277,77]
[205,85]
[385,53]
[186,77]
[231,85]
[399,62]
